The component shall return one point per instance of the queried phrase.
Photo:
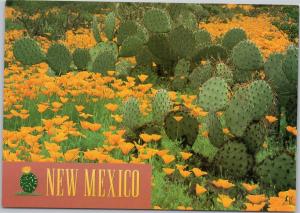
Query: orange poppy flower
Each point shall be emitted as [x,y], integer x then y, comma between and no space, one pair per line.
[71,154]
[168,158]
[111,107]
[225,200]
[168,171]
[185,155]
[184,173]
[178,118]
[142,77]
[200,190]
[271,119]
[79,108]
[292,130]
[254,207]
[198,172]
[42,108]
[256,199]
[126,147]
[221,183]
[250,187]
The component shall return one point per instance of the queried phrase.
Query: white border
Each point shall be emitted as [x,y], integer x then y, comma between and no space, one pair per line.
[2,20]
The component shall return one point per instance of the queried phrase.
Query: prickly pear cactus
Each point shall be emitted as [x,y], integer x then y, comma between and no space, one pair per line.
[161,105]
[131,46]
[27,51]
[200,75]
[246,56]
[213,95]
[290,64]
[123,68]
[203,38]
[159,46]
[131,28]
[254,136]
[183,42]
[104,62]
[109,25]
[278,172]
[179,83]
[262,98]
[95,29]
[132,114]
[144,56]
[157,21]
[102,47]
[28,181]
[239,112]
[182,68]
[181,125]
[233,160]
[214,52]
[233,37]
[223,71]
[215,130]
[274,73]
[59,58]
[186,18]
[81,58]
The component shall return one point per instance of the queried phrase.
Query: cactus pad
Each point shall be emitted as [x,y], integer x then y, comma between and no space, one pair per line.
[131,46]
[290,64]
[59,58]
[246,56]
[131,114]
[131,28]
[95,29]
[185,129]
[157,21]
[213,95]
[27,51]
[159,46]
[223,71]
[200,75]
[233,160]
[254,136]
[183,42]
[233,37]
[81,58]
[161,105]
[215,131]
[104,62]
[262,98]
[203,38]
[211,52]
[109,25]
[239,112]
[182,68]
[278,172]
